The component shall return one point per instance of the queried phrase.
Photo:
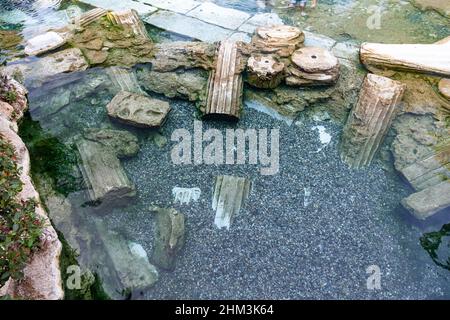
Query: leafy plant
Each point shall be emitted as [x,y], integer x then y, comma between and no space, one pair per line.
[20,226]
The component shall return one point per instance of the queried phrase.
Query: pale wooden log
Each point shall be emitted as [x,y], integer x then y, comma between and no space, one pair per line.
[427,58]
[370,119]
[225,83]
[264,71]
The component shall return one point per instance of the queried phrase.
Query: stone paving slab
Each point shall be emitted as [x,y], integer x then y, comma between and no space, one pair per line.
[115,5]
[259,20]
[179,6]
[187,26]
[318,40]
[223,17]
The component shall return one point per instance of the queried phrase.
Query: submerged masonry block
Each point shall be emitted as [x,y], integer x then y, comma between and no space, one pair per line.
[129,260]
[370,119]
[430,170]
[430,176]
[229,196]
[169,237]
[429,201]
[223,17]
[103,174]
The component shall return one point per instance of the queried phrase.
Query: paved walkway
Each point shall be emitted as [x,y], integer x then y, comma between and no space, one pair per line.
[203,21]
[206,21]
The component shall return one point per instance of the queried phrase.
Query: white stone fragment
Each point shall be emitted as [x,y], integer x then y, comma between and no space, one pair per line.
[44,43]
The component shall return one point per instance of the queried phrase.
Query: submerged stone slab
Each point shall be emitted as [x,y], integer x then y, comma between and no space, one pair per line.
[318,40]
[120,142]
[35,72]
[103,174]
[169,238]
[138,110]
[129,259]
[188,26]
[44,43]
[260,20]
[223,17]
[430,170]
[429,201]
[229,196]
[183,6]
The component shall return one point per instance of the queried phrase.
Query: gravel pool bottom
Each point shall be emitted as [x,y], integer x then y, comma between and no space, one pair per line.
[310,231]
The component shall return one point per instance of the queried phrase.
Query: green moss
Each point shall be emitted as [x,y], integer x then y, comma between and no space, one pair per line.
[51,157]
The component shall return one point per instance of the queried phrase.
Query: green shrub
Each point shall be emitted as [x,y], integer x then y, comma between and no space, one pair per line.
[20,227]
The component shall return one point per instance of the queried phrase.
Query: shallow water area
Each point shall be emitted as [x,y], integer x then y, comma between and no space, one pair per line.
[311,230]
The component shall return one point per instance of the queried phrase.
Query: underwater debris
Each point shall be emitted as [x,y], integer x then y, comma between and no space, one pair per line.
[229,196]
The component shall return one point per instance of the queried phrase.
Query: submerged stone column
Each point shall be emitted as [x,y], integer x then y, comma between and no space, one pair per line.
[370,119]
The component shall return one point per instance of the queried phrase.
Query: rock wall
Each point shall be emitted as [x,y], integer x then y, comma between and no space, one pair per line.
[42,275]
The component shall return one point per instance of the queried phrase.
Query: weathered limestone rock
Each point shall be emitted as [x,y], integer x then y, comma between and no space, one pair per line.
[169,238]
[123,143]
[429,201]
[189,85]
[183,55]
[42,275]
[427,58]
[131,265]
[13,98]
[444,88]
[116,39]
[44,43]
[440,6]
[281,40]
[103,174]
[225,83]
[370,119]
[35,72]
[229,196]
[138,110]
[264,71]
[312,66]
